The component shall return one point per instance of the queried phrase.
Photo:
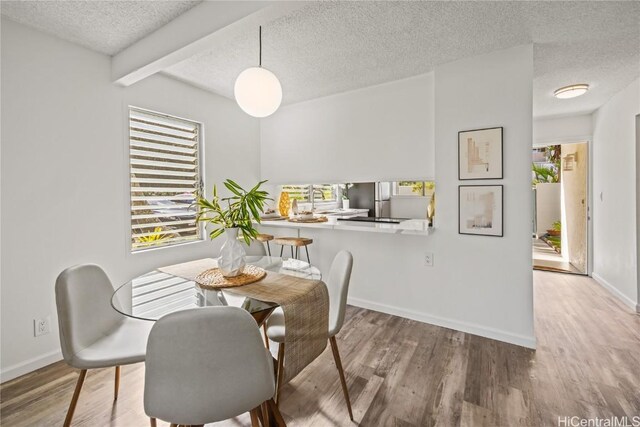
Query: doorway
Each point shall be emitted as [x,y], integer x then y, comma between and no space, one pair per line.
[560,177]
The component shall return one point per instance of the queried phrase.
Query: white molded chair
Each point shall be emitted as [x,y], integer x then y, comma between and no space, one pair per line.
[92,333]
[206,365]
[256,248]
[338,287]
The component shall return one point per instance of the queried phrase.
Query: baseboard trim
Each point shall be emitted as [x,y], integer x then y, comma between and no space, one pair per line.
[470,328]
[29,365]
[615,292]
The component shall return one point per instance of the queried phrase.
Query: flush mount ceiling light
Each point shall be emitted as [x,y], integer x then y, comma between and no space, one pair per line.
[571,91]
[257,90]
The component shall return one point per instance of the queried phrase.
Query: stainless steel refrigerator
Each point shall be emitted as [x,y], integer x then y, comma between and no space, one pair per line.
[375,196]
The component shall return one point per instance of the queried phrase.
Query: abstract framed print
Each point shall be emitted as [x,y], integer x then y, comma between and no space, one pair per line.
[480,154]
[480,210]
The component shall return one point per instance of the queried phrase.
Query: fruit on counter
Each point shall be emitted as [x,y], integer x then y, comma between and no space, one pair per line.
[284,203]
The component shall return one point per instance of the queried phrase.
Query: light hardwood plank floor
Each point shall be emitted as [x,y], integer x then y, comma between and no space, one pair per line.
[405,373]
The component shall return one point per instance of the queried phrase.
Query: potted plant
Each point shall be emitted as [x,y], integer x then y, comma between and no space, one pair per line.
[233,215]
[555,230]
[345,195]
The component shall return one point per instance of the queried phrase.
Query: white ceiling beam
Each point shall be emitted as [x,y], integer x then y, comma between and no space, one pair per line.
[191,33]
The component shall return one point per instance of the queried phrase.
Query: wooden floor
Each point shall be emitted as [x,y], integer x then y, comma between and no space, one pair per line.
[546,258]
[405,373]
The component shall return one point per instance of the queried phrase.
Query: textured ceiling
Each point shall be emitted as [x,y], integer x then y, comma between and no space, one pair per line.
[104,26]
[331,47]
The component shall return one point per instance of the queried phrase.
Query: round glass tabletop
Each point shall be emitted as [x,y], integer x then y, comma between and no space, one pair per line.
[155,294]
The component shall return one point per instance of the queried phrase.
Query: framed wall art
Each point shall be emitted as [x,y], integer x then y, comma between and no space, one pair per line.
[480,210]
[480,154]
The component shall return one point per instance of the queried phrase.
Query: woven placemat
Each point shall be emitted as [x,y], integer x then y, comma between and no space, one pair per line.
[213,279]
[272,218]
[309,220]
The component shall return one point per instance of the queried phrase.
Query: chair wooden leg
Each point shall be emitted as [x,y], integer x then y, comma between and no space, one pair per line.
[74,399]
[336,357]
[277,416]
[280,371]
[116,385]
[266,338]
[265,414]
[254,417]
[153,422]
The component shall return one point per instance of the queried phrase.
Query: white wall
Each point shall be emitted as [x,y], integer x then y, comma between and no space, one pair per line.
[65,178]
[495,281]
[481,285]
[409,206]
[559,130]
[379,133]
[638,208]
[615,179]
[547,206]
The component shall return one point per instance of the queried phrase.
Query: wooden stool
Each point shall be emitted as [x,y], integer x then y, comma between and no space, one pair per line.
[294,242]
[265,238]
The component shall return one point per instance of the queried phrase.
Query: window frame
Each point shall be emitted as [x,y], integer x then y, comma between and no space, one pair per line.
[309,188]
[200,169]
[423,192]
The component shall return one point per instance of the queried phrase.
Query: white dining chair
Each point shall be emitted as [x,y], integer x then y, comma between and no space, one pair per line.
[256,248]
[92,333]
[338,287]
[206,365]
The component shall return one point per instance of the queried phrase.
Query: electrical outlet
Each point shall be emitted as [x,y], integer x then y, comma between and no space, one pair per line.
[41,326]
[428,259]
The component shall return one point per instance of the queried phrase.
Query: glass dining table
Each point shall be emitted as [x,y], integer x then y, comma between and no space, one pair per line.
[157,293]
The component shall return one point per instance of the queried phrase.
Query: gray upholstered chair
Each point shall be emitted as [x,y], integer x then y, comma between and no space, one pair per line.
[206,365]
[338,287]
[92,333]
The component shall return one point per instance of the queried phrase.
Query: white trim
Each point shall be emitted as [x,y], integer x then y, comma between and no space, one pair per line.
[616,292]
[545,142]
[30,365]
[470,328]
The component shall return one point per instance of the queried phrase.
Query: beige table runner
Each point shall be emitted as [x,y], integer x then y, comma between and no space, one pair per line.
[305,304]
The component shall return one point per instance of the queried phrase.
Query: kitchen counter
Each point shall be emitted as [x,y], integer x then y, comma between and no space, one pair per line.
[417,227]
[342,213]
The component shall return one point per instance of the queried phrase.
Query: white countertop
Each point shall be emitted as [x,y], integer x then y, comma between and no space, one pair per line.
[418,227]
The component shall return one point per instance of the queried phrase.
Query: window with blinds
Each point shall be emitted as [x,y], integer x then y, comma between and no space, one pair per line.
[165,176]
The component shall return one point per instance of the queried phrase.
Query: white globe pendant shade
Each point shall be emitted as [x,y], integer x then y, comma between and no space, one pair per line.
[258,92]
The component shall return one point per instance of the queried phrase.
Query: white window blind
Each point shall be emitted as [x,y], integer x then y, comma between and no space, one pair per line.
[165,176]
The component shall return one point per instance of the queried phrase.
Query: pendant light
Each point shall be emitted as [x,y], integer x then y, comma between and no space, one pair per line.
[257,90]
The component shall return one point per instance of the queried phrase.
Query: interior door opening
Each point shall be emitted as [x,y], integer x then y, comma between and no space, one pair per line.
[560,176]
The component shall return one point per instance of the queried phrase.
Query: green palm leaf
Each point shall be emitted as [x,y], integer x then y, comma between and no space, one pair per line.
[242,209]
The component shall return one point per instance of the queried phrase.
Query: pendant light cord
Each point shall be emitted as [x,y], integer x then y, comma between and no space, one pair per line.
[260,39]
